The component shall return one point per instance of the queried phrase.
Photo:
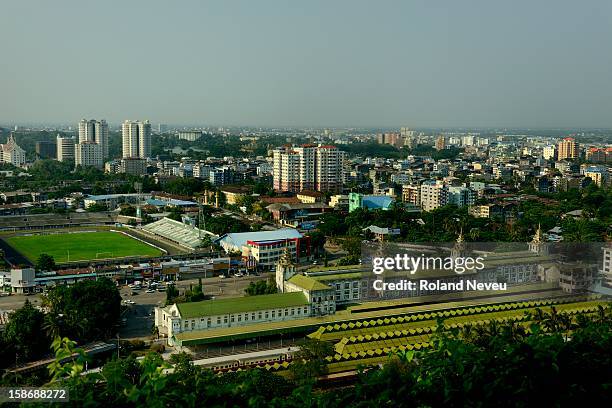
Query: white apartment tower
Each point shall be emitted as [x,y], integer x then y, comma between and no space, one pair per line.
[136,139]
[95,131]
[308,167]
[65,148]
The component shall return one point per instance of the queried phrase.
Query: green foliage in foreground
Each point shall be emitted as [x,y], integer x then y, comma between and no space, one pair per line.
[500,365]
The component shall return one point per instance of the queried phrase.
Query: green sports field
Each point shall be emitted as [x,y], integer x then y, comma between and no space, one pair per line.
[80,246]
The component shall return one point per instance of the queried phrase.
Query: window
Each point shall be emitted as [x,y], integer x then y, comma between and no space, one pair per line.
[232,319]
[286,312]
[273,314]
[218,320]
[224,319]
[267,315]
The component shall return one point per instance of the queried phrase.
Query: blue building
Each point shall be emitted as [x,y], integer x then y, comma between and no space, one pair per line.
[370,202]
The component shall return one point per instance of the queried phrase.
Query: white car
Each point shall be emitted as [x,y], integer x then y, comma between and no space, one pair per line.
[150,291]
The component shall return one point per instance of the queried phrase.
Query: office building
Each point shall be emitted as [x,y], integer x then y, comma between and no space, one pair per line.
[65,148]
[136,138]
[88,154]
[189,135]
[133,165]
[308,167]
[94,131]
[568,148]
[46,149]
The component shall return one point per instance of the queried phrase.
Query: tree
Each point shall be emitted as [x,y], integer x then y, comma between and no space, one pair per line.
[24,333]
[261,288]
[45,262]
[90,309]
[309,362]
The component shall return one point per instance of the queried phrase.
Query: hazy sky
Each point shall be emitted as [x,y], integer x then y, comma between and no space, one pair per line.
[534,63]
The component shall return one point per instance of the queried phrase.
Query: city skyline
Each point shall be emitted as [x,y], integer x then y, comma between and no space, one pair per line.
[344,64]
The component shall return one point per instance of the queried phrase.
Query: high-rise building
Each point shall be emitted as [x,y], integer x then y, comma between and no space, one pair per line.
[599,175]
[599,155]
[409,136]
[606,270]
[411,194]
[434,194]
[308,167]
[45,149]
[12,153]
[441,143]
[65,148]
[568,148]
[136,139]
[95,131]
[460,196]
[190,135]
[133,166]
[88,154]
[549,152]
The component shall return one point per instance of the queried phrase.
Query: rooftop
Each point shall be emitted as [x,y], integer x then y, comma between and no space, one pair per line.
[307,283]
[239,239]
[241,304]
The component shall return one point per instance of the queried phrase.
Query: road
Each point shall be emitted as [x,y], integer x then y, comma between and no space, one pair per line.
[140,314]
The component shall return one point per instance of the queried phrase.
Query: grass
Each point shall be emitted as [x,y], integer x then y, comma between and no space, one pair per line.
[81,246]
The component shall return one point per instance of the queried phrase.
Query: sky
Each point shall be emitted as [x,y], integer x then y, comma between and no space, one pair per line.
[468,63]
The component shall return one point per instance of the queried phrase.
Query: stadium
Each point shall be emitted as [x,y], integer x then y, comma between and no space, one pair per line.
[90,237]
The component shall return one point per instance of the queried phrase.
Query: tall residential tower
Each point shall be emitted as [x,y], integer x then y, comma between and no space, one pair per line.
[308,167]
[136,139]
[94,131]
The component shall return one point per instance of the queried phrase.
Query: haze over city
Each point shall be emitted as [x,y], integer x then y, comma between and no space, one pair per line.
[341,63]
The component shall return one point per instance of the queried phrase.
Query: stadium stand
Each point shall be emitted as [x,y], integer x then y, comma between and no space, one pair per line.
[177,232]
[48,221]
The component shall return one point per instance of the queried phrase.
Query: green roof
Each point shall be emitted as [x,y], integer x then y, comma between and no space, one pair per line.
[335,268]
[307,283]
[216,335]
[241,304]
[339,276]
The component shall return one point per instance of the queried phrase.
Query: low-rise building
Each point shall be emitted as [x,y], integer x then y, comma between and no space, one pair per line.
[369,202]
[233,194]
[339,201]
[230,312]
[310,197]
[266,247]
